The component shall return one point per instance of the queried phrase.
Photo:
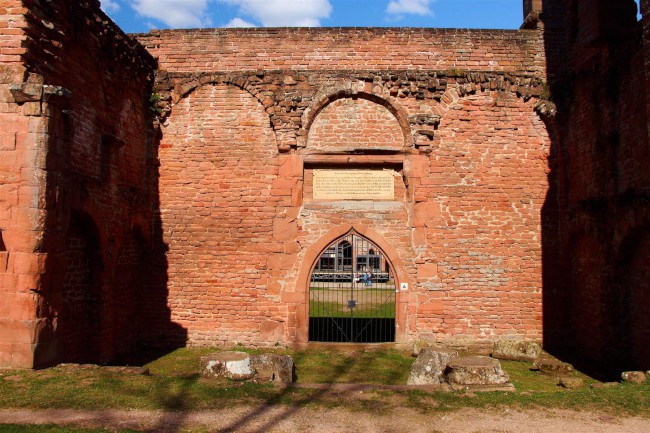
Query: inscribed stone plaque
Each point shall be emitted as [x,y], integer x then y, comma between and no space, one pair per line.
[354,185]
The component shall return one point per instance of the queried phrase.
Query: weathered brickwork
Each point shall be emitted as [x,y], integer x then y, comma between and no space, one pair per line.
[160,189]
[231,50]
[75,150]
[348,124]
[19,185]
[220,195]
[469,154]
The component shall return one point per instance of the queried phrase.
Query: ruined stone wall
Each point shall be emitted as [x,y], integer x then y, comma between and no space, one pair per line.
[450,113]
[18,234]
[602,152]
[376,49]
[78,109]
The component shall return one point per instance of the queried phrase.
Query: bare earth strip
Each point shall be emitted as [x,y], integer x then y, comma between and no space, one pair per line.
[295,419]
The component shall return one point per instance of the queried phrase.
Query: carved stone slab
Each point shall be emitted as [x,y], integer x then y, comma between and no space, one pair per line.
[354,185]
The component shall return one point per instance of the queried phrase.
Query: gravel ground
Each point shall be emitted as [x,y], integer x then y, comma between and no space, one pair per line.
[254,419]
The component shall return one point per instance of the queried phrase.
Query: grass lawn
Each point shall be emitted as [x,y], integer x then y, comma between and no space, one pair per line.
[174,384]
[361,311]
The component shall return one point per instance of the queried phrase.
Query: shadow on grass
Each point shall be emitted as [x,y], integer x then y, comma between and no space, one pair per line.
[177,389]
[175,405]
[344,368]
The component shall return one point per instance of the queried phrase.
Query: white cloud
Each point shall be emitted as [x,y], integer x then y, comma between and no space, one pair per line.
[238,22]
[417,7]
[110,5]
[174,13]
[285,13]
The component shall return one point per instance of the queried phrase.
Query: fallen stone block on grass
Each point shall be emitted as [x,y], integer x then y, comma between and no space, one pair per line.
[476,370]
[552,366]
[570,382]
[273,368]
[601,385]
[242,366]
[633,376]
[429,367]
[231,365]
[516,350]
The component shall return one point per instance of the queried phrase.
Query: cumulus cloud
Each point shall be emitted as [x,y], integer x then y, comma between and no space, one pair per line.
[284,13]
[174,13]
[110,5]
[416,7]
[238,22]
[273,13]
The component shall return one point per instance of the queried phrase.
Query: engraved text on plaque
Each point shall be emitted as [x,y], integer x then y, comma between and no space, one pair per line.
[354,185]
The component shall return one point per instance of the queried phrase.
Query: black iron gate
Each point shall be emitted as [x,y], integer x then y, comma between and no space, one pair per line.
[352,294]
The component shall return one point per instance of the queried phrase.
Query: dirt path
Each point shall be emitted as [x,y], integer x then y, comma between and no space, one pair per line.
[254,419]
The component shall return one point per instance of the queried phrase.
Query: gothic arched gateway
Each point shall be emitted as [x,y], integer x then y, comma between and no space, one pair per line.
[352,293]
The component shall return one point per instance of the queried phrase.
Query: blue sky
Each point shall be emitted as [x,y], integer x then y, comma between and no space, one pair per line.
[135,16]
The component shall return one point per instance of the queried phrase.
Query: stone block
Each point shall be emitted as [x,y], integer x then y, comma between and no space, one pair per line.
[235,365]
[231,365]
[429,367]
[476,370]
[273,368]
[516,350]
[552,366]
[633,377]
[570,382]
[600,385]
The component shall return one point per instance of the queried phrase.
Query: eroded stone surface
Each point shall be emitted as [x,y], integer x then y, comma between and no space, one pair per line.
[554,366]
[516,350]
[429,367]
[231,365]
[476,370]
[273,368]
[633,376]
[242,366]
[570,382]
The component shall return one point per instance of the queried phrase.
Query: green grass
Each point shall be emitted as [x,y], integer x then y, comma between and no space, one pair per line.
[389,367]
[337,309]
[174,384]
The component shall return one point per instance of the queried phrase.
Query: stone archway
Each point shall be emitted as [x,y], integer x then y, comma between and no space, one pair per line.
[352,293]
[313,254]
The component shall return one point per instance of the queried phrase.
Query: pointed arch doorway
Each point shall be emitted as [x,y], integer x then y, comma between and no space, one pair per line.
[352,290]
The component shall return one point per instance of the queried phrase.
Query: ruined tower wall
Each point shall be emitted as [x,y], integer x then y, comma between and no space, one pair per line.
[19,233]
[75,141]
[603,155]
[246,121]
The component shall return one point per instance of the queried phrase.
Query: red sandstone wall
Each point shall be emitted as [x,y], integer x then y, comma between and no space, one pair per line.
[486,188]
[465,224]
[79,109]
[469,155]
[375,49]
[218,204]
[19,193]
[351,124]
